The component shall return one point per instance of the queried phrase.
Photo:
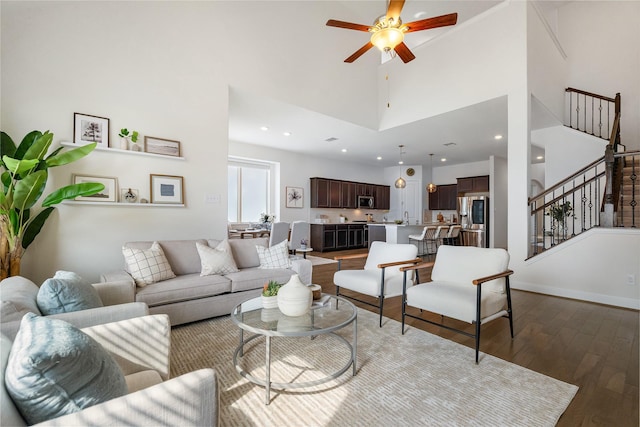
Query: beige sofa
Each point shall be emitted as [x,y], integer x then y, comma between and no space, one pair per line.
[190,297]
[153,399]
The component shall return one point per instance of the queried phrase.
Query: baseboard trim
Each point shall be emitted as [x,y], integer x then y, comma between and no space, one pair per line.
[623,302]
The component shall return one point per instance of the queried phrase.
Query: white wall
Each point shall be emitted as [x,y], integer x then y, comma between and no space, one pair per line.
[601,42]
[498,203]
[163,69]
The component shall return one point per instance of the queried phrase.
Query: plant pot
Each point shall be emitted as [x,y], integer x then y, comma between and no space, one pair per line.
[294,298]
[124,143]
[135,147]
[270,302]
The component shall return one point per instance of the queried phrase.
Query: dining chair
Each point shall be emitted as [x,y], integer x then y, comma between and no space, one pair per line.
[279,233]
[299,230]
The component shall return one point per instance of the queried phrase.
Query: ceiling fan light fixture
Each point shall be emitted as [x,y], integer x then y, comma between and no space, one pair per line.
[386,39]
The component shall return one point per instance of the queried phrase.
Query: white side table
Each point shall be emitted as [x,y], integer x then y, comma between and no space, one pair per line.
[304,252]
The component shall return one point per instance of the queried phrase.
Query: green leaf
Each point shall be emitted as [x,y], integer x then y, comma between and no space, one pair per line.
[26,143]
[134,136]
[39,147]
[19,166]
[56,151]
[7,146]
[73,191]
[6,179]
[14,219]
[34,227]
[71,155]
[29,189]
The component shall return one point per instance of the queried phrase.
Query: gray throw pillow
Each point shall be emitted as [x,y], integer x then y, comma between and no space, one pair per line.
[54,369]
[66,292]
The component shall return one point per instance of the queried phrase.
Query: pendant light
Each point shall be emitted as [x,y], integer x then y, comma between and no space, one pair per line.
[400,182]
[431,187]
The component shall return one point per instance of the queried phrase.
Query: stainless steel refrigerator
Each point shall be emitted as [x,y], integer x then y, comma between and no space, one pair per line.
[473,212]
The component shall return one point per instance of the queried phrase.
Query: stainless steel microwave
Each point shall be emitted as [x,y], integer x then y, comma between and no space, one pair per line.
[365,202]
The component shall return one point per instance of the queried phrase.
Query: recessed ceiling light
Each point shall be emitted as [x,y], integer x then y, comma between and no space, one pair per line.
[540,157]
[379,158]
[344,150]
[287,134]
[443,159]
[264,128]
[498,137]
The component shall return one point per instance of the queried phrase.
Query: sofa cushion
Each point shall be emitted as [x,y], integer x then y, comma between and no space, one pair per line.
[18,296]
[9,415]
[255,278]
[147,265]
[463,264]
[244,250]
[183,288]
[218,260]
[181,254]
[277,256]
[66,292]
[55,369]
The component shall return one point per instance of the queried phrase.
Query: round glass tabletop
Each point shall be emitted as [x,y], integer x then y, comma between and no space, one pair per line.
[334,314]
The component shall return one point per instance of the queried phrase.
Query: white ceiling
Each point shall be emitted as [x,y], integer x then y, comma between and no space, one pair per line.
[310,130]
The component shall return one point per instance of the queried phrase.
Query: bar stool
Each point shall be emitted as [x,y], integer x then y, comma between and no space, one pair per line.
[436,239]
[419,238]
[453,237]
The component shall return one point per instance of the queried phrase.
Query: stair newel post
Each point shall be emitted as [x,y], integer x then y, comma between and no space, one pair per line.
[606,217]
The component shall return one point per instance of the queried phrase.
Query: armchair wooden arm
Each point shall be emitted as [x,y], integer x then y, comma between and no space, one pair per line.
[353,256]
[391,264]
[493,277]
[417,266]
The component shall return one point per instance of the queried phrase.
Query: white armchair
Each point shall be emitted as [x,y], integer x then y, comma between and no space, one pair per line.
[468,283]
[381,277]
[141,346]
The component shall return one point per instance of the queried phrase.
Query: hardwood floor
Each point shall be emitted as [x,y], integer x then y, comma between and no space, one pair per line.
[590,345]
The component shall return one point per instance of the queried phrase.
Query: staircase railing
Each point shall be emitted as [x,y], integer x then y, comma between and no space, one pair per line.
[591,113]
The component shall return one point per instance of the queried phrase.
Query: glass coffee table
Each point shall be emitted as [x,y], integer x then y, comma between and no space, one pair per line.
[269,323]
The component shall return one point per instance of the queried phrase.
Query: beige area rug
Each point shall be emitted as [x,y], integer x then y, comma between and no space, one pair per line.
[316,260]
[402,380]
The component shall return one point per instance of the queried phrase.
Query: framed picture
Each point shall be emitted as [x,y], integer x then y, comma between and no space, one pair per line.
[109,194]
[167,189]
[165,147]
[295,197]
[88,129]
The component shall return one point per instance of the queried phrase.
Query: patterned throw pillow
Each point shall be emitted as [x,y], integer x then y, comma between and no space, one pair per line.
[218,260]
[147,266]
[277,256]
[55,369]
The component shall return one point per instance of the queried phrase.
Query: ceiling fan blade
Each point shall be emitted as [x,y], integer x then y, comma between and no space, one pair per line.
[438,21]
[404,53]
[359,52]
[347,25]
[394,9]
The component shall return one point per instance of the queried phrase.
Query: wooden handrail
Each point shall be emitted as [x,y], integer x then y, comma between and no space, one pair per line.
[583,92]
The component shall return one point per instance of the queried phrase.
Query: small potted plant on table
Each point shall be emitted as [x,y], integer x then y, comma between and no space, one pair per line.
[270,294]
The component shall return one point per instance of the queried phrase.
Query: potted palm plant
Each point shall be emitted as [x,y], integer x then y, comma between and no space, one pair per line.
[270,294]
[24,173]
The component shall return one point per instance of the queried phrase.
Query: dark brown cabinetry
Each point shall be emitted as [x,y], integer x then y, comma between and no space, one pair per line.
[445,198]
[331,237]
[473,184]
[333,193]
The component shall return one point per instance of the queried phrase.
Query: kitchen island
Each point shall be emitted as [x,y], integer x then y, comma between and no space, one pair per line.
[396,233]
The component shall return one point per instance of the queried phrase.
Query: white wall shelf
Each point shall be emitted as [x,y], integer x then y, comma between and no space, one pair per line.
[117,150]
[133,205]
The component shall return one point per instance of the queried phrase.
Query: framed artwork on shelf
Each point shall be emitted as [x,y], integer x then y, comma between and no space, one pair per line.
[166,147]
[167,189]
[109,194]
[295,197]
[88,129]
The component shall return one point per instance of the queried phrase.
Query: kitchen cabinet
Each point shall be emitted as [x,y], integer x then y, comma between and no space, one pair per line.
[331,237]
[445,198]
[473,184]
[334,193]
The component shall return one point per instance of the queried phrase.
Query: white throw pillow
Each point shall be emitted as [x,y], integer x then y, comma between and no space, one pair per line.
[147,266]
[218,260]
[277,256]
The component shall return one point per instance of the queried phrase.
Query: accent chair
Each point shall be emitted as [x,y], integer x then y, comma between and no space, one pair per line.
[467,283]
[381,277]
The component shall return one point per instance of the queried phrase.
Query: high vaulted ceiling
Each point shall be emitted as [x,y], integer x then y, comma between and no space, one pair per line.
[313,133]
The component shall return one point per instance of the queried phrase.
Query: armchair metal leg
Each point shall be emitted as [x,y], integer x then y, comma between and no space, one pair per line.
[478,301]
[508,289]
[337,294]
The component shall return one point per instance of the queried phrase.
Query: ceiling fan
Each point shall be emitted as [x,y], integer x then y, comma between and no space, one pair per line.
[387,32]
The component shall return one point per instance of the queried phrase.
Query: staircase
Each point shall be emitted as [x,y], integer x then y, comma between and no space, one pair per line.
[602,194]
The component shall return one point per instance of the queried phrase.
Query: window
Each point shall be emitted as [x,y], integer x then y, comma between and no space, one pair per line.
[249,188]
